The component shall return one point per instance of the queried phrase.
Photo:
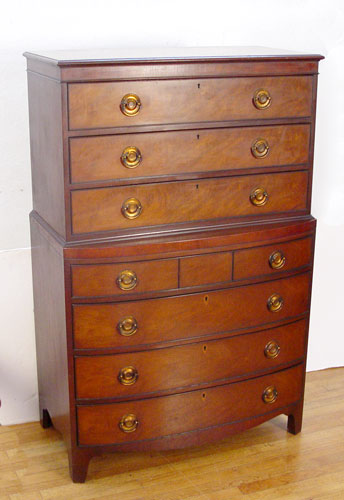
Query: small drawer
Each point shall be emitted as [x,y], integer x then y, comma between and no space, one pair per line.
[127,156]
[118,104]
[205,269]
[118,279]
[185,412]
[272,259]
[144,322]
[123,375]
[113,208]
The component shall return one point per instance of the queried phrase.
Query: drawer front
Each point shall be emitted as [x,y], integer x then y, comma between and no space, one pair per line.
[114,208]
[98,105]
[188,365]
[205,269]
[272,258]
[193,315]
[152,418]
[121,279]
[163,153]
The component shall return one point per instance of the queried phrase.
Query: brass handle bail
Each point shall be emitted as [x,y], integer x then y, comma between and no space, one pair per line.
[131,157]
[128,423]
[277,259]
[275,302]
[131,208]
[260,148]
[270,394]
[130,104]
[262,99]
[126,280]
[259,197]
[128,375]
[127,326]
[272,349]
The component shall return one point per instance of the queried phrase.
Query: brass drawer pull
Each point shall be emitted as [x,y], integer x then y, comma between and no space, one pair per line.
[270,394]
[128,423]
[128,375]
[275,303]
[260,148]
[131,157]
[130,104]
[272,349]
[131,208]
[126,280]
[261,99]
[259,197]
[277,259]
[127,326]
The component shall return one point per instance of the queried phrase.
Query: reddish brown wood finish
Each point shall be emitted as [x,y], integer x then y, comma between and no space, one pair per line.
[189,411]
[102,279]
[205,269]
[200,249]
[255,261]
[189,365]
[100,209]
[99,158]
[97,105]
[189,316]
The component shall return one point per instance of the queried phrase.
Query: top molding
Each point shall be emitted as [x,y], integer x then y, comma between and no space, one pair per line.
[180,62]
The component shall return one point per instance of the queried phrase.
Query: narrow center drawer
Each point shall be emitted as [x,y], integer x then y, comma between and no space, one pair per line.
[125,375]
[114,208]
[114,104]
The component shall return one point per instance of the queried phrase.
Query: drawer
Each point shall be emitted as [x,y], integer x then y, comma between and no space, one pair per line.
[112,208]
[134,156]
[118,279]
[123,375]
[156,417]
[205,269]
[115,104]
[271,259]
[195,315]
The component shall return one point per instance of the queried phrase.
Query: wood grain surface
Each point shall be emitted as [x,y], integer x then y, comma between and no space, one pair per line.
[188,316]
[99,158]
[166,203]
[97,105]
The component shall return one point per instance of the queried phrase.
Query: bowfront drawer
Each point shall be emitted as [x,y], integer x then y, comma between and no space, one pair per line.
[188,365]
[162,153]
[271,259]
[114,208]
[114,104]
[155,417]
[166,319]
[118,279]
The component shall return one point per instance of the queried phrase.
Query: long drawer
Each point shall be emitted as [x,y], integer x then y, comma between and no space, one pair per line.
[123,375]
[189,316]
[130,156]
[161,416]
[112,104]
[112,208]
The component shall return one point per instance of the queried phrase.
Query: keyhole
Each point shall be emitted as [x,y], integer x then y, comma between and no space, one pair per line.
[204,348]
[196,186]
[206,298]
[203,395]
[197,136]
[199,85]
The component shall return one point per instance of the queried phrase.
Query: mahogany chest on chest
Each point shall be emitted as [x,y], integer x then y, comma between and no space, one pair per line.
[172,243]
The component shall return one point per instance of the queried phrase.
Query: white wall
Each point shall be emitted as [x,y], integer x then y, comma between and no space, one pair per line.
[312,26]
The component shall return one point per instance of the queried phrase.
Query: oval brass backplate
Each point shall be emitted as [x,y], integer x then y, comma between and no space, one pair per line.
[127,326]
[130,104]
[277,259]
[262,99]
[126,280]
